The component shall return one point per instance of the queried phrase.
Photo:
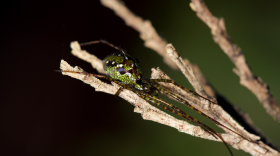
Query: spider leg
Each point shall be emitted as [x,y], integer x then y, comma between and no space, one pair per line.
[160,88]
[104,42]
[176,84]
[84,73]
[167,106]
[119,91]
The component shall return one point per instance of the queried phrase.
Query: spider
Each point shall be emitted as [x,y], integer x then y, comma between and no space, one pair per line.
[125,71]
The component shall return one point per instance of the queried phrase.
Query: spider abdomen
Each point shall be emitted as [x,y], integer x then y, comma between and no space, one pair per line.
[123,68]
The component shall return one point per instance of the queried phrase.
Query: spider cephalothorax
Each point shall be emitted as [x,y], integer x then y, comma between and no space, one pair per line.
[123,68]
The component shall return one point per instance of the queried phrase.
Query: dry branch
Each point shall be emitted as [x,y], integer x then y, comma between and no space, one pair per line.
[247,79]
[149,112]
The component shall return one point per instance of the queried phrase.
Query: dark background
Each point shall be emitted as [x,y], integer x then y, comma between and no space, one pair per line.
[45,113]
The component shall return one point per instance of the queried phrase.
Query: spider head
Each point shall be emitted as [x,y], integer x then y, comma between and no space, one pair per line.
[123,68]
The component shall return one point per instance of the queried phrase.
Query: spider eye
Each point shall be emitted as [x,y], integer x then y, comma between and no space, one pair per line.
[121,70]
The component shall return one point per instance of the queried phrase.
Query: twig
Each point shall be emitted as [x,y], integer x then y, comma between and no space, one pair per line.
[185,67]
[202,80]
[95,62]
[247,79]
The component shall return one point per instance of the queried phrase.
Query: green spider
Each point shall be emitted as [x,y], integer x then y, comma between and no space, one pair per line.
[125,71]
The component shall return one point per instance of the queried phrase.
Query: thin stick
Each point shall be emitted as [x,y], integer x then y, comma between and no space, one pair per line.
[247,79]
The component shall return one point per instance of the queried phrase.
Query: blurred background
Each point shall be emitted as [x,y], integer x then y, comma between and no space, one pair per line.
[44,113]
